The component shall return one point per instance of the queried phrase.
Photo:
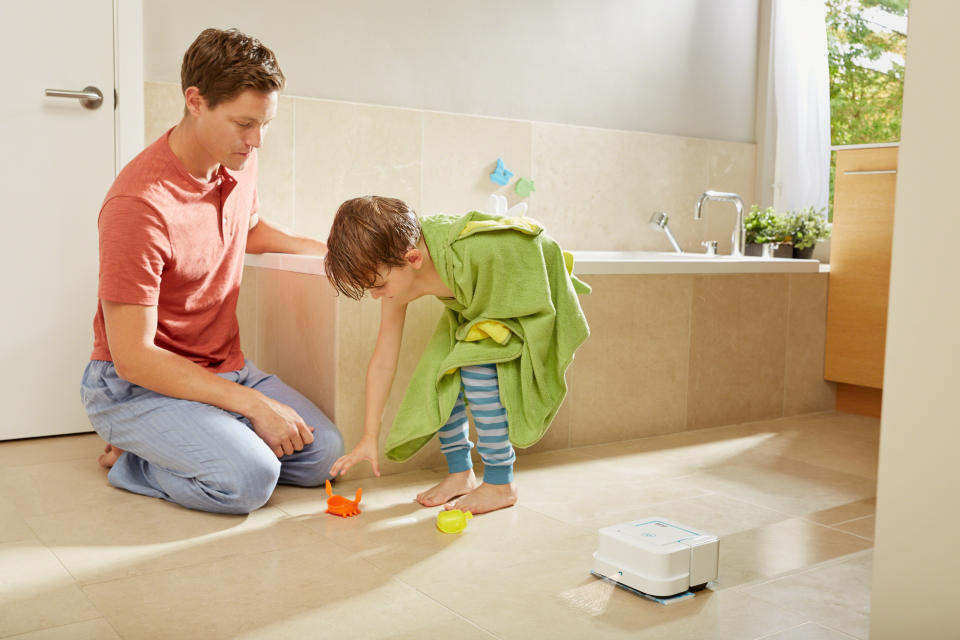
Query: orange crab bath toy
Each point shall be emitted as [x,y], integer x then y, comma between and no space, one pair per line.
[340,506]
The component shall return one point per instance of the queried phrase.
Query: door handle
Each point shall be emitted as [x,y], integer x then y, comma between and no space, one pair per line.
[90,97]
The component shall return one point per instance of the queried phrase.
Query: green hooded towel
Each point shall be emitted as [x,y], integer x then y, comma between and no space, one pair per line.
[515,304]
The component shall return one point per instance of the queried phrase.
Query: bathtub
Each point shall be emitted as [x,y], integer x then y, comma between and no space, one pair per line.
[293,324]
[654,262]
[600,262]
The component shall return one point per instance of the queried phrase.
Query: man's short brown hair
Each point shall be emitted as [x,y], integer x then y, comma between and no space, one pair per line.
[221,64]
[368,233]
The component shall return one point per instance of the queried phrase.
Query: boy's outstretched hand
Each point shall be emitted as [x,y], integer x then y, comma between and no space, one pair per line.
[366,449]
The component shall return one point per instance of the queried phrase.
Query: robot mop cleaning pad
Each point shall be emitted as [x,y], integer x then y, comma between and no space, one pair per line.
[657,558]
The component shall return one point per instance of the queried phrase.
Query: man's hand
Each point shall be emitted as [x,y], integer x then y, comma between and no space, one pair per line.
[366,449]
[280,427]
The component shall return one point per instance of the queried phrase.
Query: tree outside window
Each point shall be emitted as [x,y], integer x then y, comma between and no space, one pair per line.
[867,43]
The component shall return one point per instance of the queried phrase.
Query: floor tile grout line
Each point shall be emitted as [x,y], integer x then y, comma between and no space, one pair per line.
[825,564]
[819,624]
[453,611]
[230,556]
[869,515]
[20,634]
[803,614]
[779,631]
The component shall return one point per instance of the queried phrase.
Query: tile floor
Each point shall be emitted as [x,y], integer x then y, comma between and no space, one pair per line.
[792,499]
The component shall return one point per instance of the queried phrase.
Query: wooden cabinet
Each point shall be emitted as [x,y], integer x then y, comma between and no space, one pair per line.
[864,193]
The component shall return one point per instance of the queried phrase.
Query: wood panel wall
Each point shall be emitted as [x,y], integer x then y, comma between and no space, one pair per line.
[864,193]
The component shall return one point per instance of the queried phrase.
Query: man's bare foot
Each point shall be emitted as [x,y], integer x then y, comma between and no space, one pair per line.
[110,455]
[453,486]
[487,497]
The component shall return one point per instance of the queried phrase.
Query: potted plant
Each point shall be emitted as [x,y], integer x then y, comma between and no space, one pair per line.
[805,228]
[764,227]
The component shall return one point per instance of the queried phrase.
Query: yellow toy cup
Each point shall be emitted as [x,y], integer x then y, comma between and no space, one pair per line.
[453,521]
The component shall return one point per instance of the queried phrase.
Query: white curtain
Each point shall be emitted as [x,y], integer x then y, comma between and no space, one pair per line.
[801,92]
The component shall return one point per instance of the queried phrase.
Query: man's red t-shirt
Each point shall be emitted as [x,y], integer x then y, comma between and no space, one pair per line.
[170,240]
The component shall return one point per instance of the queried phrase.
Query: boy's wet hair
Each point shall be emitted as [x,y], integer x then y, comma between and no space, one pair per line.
[368,233]
[221,64]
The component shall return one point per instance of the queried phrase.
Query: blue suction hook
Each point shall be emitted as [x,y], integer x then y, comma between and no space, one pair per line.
[501,175]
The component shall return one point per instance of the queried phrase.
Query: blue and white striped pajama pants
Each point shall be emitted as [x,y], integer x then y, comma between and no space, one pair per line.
[198,455]
[482,390]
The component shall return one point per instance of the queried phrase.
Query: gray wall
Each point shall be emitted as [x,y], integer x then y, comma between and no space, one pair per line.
[679,67]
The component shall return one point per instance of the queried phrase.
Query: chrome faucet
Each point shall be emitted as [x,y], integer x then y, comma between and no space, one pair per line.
[739,233]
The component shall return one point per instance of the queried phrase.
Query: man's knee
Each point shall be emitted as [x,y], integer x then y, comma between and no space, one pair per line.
[247,486]
[326,448]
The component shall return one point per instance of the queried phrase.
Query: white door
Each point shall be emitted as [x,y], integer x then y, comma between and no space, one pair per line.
[56,165]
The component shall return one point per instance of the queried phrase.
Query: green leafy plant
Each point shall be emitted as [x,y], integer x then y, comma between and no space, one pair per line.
[765,226]
[806,226]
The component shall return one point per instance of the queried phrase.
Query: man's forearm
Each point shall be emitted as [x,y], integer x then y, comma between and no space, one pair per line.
[266,237]
[172,375]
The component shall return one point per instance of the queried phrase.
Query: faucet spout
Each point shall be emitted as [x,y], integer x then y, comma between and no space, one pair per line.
[739,232]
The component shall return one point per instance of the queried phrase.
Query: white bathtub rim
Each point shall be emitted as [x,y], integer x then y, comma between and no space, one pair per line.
[600,263]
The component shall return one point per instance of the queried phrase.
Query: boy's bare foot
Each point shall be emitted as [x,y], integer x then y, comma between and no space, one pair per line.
[487,497]
[110,455]
[453,486]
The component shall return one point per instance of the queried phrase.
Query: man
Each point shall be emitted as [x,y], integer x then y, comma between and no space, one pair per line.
[187,419]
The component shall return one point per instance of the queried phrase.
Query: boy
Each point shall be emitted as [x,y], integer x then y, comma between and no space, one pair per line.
[511,325]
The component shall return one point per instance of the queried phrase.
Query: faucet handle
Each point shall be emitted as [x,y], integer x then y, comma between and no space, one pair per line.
[711,246]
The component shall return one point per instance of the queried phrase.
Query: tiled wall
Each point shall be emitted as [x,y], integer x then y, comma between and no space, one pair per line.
[595,188]
[667,353]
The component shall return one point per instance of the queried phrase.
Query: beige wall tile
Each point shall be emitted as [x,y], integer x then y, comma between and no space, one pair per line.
[737,349]
[460,152]
[346,150]
[297,333]
[558,435]
[730,167]
[805,389]
[276,154]
[630,378]
[358,324]
[597,188]
[163,108]
[733,169]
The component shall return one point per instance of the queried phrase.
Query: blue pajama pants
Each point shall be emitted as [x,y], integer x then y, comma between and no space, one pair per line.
[482,390]
[198,455]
